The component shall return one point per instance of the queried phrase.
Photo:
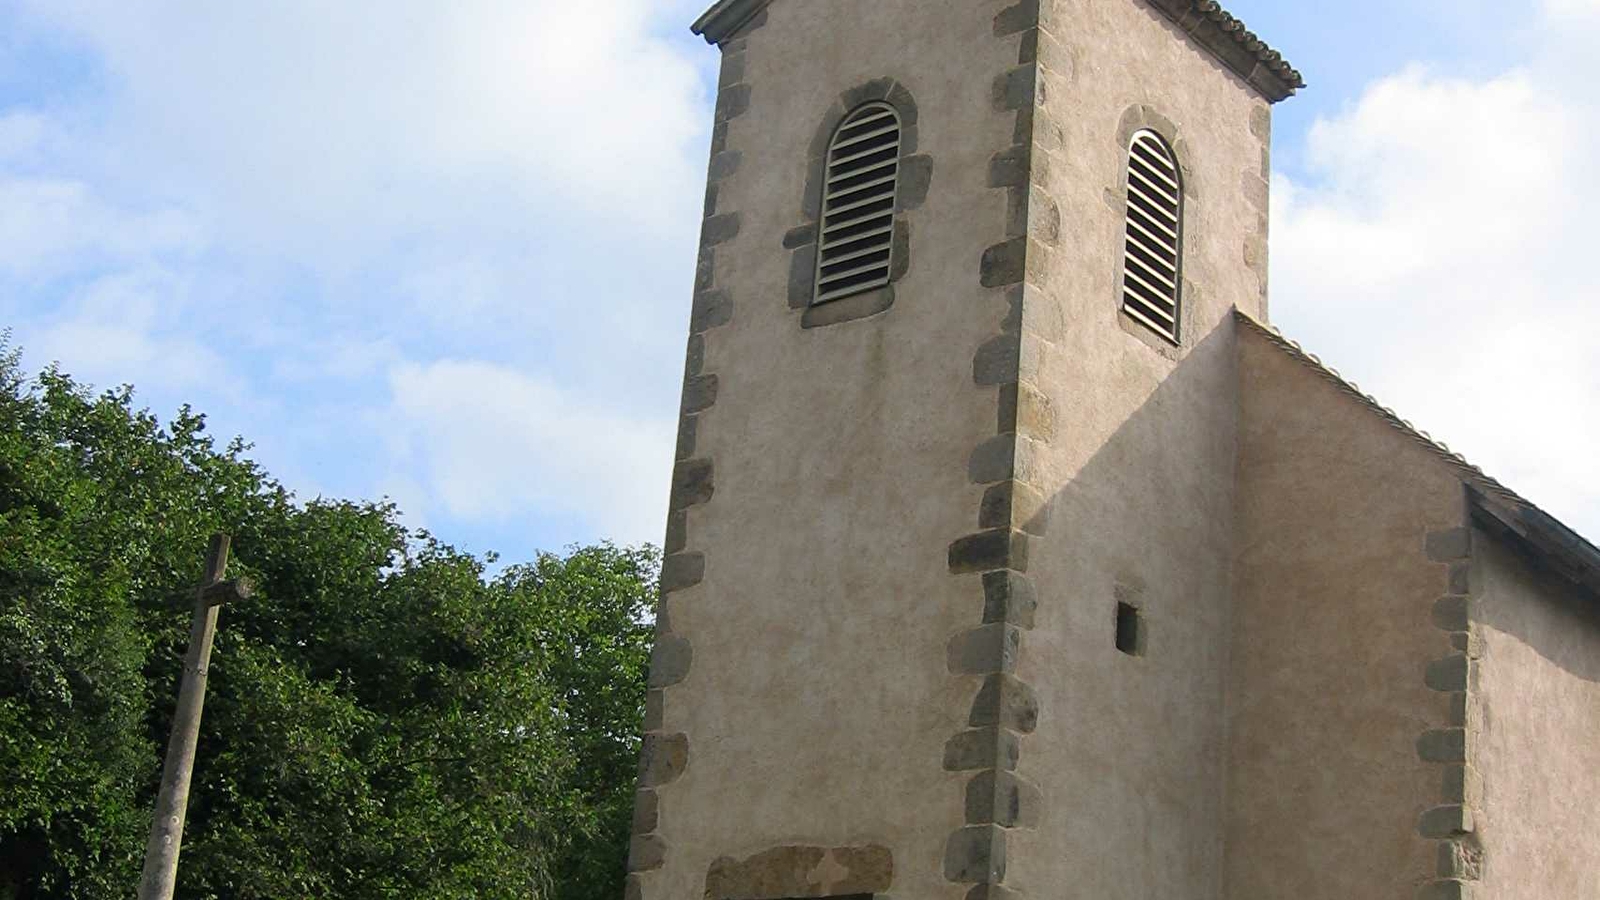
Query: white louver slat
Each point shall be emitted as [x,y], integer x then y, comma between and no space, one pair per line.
[1153,248]
[857,241]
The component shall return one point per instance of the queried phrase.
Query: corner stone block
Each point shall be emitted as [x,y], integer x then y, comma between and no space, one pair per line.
[692,483]
[1446,745]
[982,748]
[992,892]
[646,852]
[1461,859]
[670,661]
[699,393]
[646,812]
[1001,798]
[1450,545]
[733,102]
[1017,88]
[1445,822]
[1463,785]
[677,532]
[985,651]
[1025,409]
[711,309]
[683,571]
[994,460]
[976,855]
[985,551]
[662,758]
[997,361]
[688,437]
[719,229]
[724,164]
[1453,613]
[1448,890]
[1014,504]
[1004,264]
[1009,597]
[1005,702]
[1011,167]
[1449,675]
[655,710]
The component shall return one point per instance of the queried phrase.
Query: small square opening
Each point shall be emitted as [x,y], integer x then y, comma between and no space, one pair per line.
[1130,629]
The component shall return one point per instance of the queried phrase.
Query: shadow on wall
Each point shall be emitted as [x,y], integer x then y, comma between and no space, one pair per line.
[1557,620]
[1125,654]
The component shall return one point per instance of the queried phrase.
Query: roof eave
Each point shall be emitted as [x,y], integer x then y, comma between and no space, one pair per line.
[1495,508]
[1541,537]
[1234,45]
[1205,21]
[725,18]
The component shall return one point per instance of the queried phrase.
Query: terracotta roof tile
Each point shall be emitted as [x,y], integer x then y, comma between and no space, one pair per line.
[1206,21]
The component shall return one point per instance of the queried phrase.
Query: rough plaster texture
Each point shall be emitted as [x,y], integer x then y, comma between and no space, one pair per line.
[899,535]
[840,454]
[1539,741]
[1139,471]
[1333,634]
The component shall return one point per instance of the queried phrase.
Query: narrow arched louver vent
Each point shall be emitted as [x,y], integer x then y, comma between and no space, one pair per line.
[1151,267]
[858,195]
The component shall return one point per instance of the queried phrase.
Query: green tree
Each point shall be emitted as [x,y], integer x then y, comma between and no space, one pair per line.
[383,719]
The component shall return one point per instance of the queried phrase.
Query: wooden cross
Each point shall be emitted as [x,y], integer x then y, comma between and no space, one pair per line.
[166,833]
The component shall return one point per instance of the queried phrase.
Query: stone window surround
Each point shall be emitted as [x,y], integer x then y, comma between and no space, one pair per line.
[916,175]
[1139,118]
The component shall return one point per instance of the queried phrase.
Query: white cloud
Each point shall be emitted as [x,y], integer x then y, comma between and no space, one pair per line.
[47,224]
[343,187]
[131,321]
[1440,256]
[21,133]
[494,443]
[300,121]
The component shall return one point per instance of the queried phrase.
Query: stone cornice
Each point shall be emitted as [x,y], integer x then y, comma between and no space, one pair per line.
[719,23]
[1211,26]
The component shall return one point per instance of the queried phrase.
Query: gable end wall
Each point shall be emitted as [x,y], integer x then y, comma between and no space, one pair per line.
[1346,694]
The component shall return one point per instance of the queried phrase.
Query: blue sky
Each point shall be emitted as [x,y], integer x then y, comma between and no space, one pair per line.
[403,249]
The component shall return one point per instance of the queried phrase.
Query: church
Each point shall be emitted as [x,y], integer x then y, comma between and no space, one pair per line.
[1012,552]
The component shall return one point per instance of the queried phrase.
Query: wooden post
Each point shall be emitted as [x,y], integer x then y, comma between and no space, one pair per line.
[166,834]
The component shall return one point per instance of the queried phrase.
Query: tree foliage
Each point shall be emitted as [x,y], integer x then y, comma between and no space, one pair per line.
[384,718]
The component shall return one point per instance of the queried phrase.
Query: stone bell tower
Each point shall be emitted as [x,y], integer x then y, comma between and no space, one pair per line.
[945,603]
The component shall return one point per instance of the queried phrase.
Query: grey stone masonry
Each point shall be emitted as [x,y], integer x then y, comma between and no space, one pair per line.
[915,179]
[1453,822]
[997,798]
[664,756]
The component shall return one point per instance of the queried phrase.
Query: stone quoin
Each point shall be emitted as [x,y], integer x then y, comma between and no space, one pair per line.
[979,584]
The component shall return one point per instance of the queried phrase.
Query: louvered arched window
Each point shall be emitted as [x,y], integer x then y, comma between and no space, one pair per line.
[1152,270]
[858,196]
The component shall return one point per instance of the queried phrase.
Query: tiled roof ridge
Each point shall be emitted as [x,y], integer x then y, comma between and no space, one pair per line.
[1234,45]
[1248,39]
[1205,21]
[1476,475]
[1502,509]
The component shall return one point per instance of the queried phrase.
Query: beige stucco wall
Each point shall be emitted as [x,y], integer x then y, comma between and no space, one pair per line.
[819,702]
[1332,637]
[1140,468]
[1538,741]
